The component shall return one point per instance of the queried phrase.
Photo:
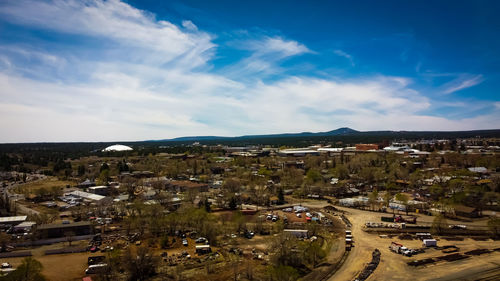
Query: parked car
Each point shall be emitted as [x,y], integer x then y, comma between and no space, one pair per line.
[6,265]
[95,260]
[184,242]
[201,240]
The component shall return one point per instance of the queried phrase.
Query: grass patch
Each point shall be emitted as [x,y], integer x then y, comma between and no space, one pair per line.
[48,184]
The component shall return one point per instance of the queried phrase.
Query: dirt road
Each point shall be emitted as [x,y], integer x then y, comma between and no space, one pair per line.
[393,266]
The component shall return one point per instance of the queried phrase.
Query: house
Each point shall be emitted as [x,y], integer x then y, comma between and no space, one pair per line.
[294,164]
[465,211]
[86,184]
[149,194]
[183,186]
[479,170]
[299,233]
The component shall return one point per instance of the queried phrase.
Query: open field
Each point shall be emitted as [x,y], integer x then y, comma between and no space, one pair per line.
[47,184]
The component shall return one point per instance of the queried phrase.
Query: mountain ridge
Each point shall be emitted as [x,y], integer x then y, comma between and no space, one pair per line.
[343,131]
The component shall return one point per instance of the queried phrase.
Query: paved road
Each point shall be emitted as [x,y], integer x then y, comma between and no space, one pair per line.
[15,197]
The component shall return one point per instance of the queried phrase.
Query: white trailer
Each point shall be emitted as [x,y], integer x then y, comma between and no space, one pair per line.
[429,242]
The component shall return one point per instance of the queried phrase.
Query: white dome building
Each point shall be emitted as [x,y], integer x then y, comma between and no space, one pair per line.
[117,147]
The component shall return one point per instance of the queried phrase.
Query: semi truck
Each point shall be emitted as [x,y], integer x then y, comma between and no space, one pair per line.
[412,220]
[400,249]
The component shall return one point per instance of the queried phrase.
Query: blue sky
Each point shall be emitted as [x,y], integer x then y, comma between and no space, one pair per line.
[134,70]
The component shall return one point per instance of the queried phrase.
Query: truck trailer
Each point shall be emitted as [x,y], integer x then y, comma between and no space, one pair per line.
[429,242]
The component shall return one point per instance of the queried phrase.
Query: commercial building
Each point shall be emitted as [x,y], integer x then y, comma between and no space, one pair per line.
[14,220]
[366,146]
[298,152]
[89,197]
[99,190]
[56,230]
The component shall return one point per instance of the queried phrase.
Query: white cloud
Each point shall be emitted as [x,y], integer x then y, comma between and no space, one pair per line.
[462,82]
[153,41]
[155,82]
[344,55]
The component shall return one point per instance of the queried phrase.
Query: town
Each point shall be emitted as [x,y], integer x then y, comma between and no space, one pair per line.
[389,210]
[247,140]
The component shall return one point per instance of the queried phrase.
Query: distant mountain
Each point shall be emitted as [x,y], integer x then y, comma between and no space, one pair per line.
[344,132]
[196,138]
[338,132]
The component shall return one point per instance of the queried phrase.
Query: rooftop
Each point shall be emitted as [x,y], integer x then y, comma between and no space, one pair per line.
[12,219]
[60,225]
[86,195]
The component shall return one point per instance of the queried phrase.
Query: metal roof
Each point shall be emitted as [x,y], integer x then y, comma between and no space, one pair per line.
[12,219]
[60,225]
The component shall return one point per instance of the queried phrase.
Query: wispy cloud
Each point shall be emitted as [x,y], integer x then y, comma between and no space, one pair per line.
[343,54]
[285,48]
[462,82]
[266,55]
[189,25]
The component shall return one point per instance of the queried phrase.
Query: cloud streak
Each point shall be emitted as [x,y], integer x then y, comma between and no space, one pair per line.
[461,83]
[343,54]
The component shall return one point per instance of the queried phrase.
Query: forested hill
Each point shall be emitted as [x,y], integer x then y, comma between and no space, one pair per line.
[345,136]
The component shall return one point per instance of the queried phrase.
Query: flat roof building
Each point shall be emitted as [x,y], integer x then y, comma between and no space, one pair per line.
[13,219]
[57,230]
[95,198]
[99,190]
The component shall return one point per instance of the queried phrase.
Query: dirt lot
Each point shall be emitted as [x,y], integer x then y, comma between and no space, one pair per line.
[59,267]
[393,266]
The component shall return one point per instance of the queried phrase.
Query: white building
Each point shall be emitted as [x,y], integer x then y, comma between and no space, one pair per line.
[117,147]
